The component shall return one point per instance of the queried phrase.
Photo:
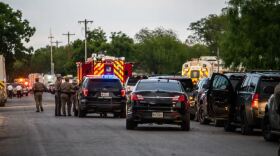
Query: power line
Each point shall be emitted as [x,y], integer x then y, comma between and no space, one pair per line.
[68,36]
[85,22]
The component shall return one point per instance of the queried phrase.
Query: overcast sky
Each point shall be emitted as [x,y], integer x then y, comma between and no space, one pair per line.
[128,16]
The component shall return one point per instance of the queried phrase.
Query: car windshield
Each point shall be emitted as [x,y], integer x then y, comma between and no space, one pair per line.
[268,84]
[155,85]
[103,83]
[236,81]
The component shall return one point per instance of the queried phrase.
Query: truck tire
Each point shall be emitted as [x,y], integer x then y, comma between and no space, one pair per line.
[246,129]
[130,124]
[266,130]
[185,125]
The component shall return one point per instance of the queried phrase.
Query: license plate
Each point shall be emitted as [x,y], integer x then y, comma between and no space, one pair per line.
[157,115]
[104,94]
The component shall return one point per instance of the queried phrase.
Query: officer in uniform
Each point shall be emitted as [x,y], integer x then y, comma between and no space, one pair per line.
[66,92]
[57,89]
[74,96]
[38,89]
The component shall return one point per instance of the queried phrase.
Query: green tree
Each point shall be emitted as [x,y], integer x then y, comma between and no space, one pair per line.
[253,35]
[160,51]
[208,30]
[121,45]
[13,32]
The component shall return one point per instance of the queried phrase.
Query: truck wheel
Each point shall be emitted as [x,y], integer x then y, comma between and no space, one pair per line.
[246,129]
[185,125]
[201,117]
[266,129]
[130,124]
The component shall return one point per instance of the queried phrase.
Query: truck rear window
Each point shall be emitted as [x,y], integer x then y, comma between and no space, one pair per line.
[95,84]
[165,86]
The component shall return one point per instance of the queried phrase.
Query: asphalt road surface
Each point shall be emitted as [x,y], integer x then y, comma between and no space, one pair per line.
[23,132]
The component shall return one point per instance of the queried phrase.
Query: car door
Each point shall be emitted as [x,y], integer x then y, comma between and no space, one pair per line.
[219,96]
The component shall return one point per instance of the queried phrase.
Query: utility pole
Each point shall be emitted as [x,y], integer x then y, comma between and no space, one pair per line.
[57,42]
[52,64]
[85,22]
[68,36]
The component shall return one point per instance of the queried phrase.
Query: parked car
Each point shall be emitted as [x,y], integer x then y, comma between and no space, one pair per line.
[218,97]
[271,120]
[101,94]
[200,89]
[160,101]
[188,89]
[240,107]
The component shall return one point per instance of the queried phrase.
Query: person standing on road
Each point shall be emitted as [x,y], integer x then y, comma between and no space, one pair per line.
[10,89]
[66,91]
[74,97]
[19,91]
[38,89]
[57,89]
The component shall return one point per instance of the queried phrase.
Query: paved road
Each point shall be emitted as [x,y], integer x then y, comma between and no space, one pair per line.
[23,132]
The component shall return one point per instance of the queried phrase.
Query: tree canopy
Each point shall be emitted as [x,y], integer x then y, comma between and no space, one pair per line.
[14,31]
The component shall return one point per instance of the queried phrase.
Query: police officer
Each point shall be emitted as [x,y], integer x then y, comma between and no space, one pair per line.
[57,89]
[38,89]
[66,91]
[74,96]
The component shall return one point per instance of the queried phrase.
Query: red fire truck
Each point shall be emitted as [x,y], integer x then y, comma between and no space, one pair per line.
[104,65]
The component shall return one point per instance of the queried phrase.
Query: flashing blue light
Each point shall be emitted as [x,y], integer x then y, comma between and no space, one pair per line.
[109,77]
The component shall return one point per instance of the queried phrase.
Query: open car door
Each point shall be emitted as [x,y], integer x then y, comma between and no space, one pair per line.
[220,96]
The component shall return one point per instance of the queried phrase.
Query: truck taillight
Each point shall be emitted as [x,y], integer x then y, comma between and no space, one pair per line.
[255,101]
[123,93]
[85,92]
[136,97]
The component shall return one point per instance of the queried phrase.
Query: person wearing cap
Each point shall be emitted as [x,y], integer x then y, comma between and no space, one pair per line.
[74,97]
[65,97]
[57,89]
[38,89]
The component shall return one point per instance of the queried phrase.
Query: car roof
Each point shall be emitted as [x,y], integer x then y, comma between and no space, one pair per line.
[101,77]
[177,77]
[269,74]
[159,80]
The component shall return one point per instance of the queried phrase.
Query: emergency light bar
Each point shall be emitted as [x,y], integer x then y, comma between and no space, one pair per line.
[103,76]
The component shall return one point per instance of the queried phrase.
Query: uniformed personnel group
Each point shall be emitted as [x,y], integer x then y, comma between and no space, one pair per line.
[64,95]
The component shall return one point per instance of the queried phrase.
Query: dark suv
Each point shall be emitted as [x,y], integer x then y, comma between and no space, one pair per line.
[213,96]
[101,94]
[243,106]
[188,88]
[158,101]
